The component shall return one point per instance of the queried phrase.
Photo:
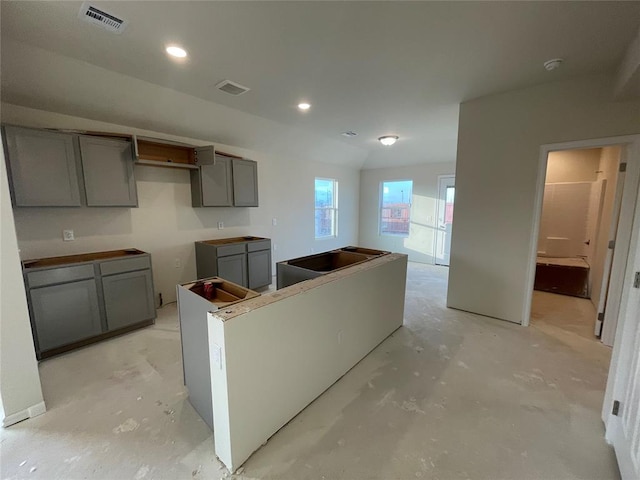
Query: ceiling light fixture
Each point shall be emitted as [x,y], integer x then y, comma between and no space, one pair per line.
[304,106]
[388,140]
[175,51]
[553,63]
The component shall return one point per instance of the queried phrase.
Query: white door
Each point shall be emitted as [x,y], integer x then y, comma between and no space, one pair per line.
[622,397]
[446,195]
[626,424]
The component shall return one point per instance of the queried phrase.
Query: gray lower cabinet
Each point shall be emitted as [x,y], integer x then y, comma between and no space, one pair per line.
[107,167]
[43,168]
[233,268]
[128,298]
[222,181]
[242,260]
[65,313]
[83,298]
[56,169]
[259,268]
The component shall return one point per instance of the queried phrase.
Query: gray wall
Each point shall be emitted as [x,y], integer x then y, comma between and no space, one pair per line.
[498,147]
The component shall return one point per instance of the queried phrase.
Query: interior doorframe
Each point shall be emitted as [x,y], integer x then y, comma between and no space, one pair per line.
[441,209]
[631,153]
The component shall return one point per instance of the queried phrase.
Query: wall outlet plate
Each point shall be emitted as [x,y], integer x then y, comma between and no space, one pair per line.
[67,236]
[220,225]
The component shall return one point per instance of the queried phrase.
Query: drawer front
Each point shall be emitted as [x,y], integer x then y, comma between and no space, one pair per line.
[261,245]
[125,265]
[60,275]
[233,249]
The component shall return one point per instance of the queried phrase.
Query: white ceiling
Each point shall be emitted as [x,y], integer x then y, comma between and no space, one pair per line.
[372,67]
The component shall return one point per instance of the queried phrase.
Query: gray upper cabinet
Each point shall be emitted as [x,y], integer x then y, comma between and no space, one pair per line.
[43,168]
[211,184]
[222,181]
[245,183]
[57,169]
[107,166]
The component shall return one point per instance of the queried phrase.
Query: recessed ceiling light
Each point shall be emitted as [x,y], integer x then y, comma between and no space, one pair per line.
[388,140]
[177,52]
[304,106]
[553,63]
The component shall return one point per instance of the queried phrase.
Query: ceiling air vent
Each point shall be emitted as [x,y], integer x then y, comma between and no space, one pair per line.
[101,18]
[232,88]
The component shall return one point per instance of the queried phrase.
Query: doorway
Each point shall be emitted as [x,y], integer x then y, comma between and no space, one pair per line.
[578,223]
[446,197]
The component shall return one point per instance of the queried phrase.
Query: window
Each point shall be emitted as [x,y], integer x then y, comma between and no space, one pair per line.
[326,208]
[395,207]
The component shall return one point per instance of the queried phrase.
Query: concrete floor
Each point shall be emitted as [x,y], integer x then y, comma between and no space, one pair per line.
[451,395]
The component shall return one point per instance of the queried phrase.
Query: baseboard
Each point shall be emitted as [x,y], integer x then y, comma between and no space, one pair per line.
[33,411]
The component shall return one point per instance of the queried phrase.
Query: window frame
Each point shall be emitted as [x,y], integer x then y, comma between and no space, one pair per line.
[333,209]
[380,209]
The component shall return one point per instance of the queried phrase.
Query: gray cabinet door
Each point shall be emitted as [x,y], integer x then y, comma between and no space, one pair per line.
[245,183]
[128,298]
[65,313]
[107,166]
[259,268]
[43,168]
[215,183]
[233,268]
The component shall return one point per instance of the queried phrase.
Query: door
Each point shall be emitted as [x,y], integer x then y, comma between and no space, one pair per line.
[128,298]
[245,183]
[107,166]
[65,313]
[216,184]
[609,299]
[446,194]
[626,424]
[259,268]
[233,268]
[43,168]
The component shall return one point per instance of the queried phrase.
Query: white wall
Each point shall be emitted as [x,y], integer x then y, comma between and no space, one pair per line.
[608,167]
[261,383]
[20,390]
[420,245]
[166,225]
[497,165]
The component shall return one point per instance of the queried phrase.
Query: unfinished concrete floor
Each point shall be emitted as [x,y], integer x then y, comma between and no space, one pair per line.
[450,395]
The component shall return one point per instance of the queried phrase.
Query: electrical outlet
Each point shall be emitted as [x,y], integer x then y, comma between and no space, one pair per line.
[220,225]
[178,263]
[67,236]
[274,221]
